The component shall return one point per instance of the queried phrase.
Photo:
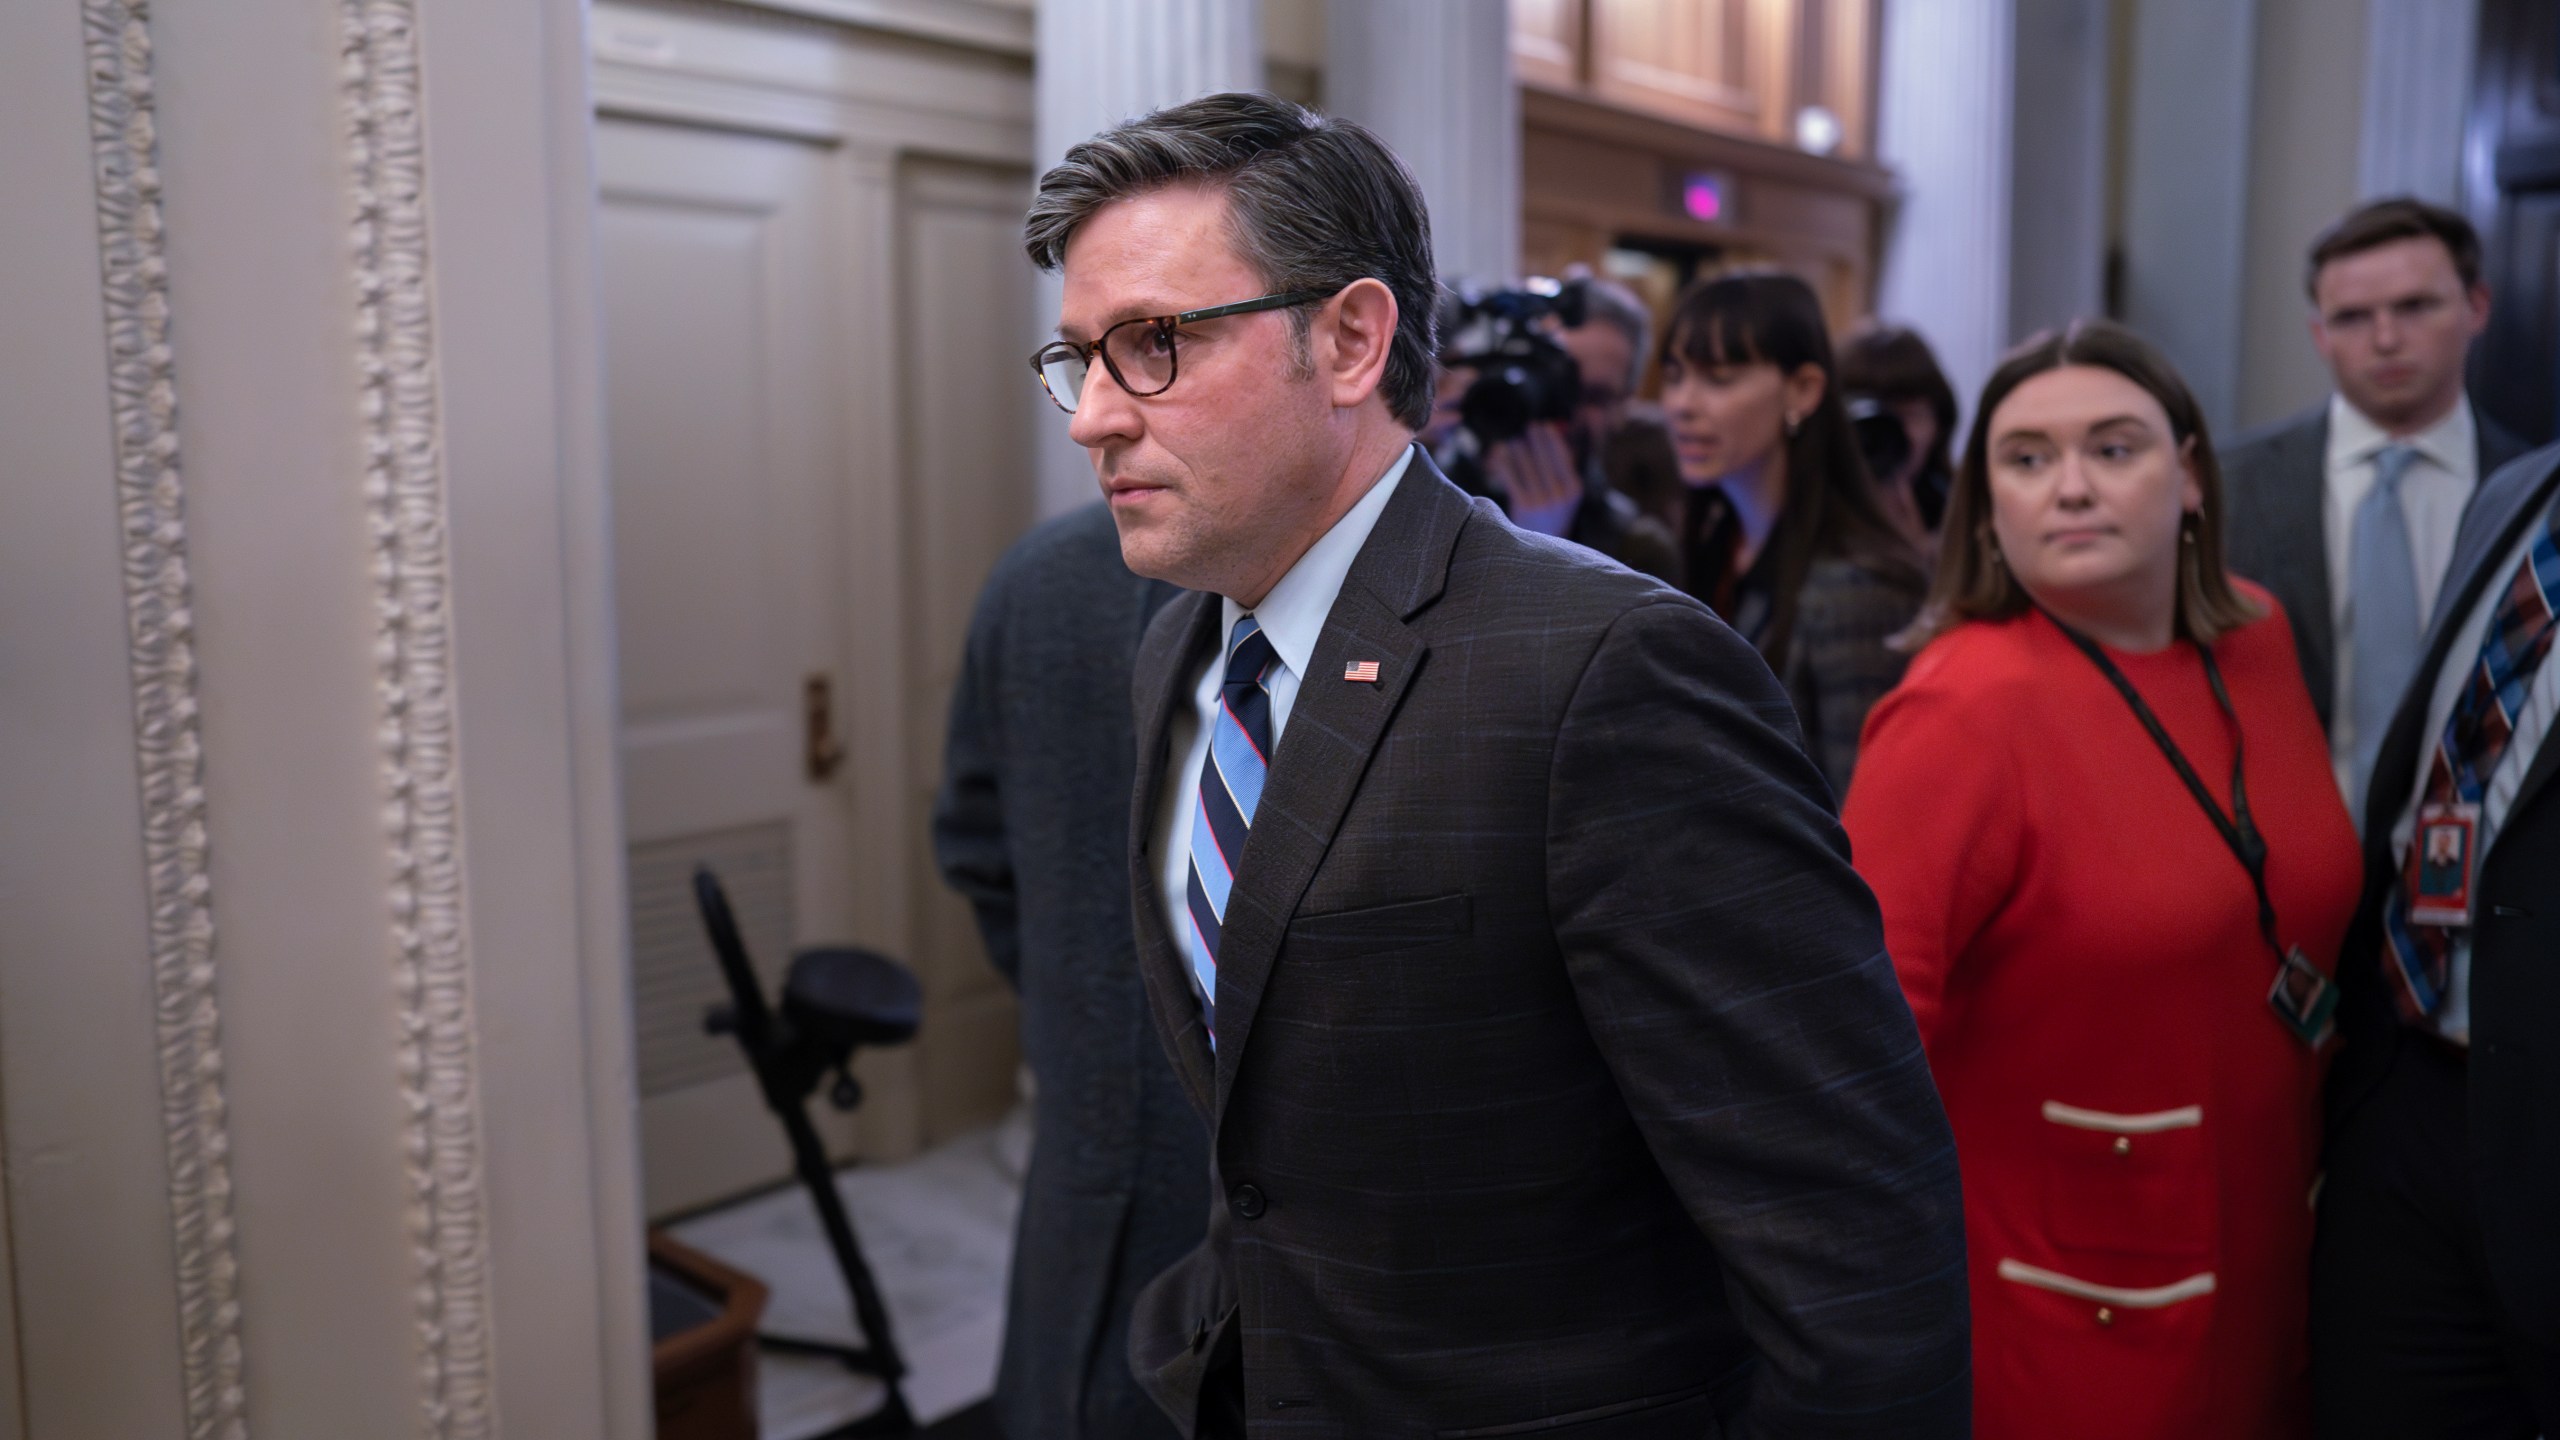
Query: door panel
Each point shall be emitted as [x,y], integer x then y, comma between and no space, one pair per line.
[968,445]
[717,271]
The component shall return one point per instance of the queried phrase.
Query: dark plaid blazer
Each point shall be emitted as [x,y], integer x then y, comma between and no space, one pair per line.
[1562,1083]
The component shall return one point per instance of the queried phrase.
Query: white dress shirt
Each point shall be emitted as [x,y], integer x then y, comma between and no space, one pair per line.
[2498,794]
[2433,494]
[1293,615]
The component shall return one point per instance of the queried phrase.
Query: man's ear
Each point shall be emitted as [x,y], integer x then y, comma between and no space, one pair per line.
[1354,331]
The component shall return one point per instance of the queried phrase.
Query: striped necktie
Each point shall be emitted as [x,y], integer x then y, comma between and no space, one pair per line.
[1230,787]
[2418,958]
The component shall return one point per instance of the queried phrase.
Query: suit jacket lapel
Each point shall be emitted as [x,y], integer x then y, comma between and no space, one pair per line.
[1333,728]
[2476,566]
[1183,634]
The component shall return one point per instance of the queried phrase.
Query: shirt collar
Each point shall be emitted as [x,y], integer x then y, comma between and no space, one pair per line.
[2355,439]
[1293,614]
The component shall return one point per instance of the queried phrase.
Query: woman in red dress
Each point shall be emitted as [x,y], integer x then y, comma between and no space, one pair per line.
[2130,1061]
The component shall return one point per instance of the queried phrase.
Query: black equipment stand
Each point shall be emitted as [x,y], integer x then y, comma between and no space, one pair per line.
[834,1000]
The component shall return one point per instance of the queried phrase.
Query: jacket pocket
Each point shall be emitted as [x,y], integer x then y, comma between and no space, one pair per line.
[1379,929]
[2139,1358]
[2129,1184]
[1685,1413]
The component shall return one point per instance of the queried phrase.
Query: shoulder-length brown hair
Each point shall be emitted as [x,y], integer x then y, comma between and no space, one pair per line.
[1750,317]
[1972,582]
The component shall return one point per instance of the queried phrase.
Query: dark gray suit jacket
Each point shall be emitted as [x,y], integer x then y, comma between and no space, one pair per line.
[1030,826]
[2514,1074]
[2273,483]
[1562,1080]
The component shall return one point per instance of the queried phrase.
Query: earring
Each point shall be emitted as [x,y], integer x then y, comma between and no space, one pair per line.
[2187,528]
[1794,423]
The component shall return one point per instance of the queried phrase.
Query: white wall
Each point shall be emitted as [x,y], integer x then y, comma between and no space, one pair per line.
[307,827]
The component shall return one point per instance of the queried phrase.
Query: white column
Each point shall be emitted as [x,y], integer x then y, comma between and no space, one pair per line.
[1102,62]
[2417,97]
[2186,190]
[1943,126]
[315,1064]
[1433,79]
[2058,180]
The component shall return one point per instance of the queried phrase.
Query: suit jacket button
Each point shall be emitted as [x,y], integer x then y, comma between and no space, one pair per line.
[1247,1202]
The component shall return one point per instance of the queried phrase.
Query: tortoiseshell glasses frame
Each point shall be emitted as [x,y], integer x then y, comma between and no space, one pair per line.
[1064,365]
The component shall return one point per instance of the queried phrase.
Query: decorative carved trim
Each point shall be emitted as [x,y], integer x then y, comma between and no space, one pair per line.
[405,493]
[169,750]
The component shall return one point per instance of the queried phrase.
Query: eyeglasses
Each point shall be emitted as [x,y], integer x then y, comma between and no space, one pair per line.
[1139,353]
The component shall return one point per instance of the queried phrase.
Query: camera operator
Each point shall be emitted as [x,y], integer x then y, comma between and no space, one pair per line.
[1536,392]
[1904,414]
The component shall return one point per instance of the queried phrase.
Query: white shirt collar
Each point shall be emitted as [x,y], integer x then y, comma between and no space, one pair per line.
[1293,614]
[2354,438]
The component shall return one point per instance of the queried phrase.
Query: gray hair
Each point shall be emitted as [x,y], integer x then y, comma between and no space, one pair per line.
[1614,304]
[1313,203]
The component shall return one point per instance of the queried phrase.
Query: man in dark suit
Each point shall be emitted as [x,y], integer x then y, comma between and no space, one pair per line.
[2347,512]
[2436,1275]
[1489,908]
[1032,828]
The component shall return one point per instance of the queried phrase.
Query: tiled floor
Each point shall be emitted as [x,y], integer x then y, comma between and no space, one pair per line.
[938,1231]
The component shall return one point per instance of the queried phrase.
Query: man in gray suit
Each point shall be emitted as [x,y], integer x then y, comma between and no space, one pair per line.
[1032,828]
[1490,910]
[2347,512]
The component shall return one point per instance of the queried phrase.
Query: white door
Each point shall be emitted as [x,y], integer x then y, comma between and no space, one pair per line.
[718,257]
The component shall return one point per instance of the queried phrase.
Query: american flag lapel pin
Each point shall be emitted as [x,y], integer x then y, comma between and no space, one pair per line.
[1363,671]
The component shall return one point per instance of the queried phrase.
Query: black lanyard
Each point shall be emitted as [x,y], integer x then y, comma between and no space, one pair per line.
[2237,829]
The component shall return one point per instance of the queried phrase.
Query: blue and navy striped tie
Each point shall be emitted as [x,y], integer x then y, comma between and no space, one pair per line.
[1230,787]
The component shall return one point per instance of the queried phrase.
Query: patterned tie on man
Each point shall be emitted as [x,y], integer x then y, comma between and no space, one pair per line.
[2418,957]
[1230,787]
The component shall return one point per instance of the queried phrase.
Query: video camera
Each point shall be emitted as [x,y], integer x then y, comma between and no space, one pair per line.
[1522,374]
[1882,442]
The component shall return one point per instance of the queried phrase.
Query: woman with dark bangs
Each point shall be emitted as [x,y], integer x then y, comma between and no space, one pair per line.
[1782,534]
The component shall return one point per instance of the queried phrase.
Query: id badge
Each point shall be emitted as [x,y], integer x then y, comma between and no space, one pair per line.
[2304,999]
[2440,863]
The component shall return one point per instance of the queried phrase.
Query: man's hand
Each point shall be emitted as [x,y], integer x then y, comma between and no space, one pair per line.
[1537,472]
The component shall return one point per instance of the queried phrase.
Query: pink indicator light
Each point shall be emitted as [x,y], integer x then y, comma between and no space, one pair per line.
[1702,199]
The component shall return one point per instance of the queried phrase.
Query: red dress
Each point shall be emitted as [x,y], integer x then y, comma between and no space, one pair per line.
[2137,1130]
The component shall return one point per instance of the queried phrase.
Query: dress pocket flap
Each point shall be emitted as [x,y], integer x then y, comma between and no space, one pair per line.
[2153,1298]
[2185,1117]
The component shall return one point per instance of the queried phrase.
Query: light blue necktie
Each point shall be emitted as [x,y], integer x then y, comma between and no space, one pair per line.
[2384,609]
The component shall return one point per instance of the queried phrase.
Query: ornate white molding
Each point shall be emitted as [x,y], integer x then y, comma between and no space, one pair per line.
[160,640]
[405,494]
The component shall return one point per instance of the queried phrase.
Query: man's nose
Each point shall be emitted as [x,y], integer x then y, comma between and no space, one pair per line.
[1103,412]
[2386,333]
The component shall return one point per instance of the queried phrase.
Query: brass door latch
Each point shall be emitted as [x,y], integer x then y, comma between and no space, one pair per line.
[822,752]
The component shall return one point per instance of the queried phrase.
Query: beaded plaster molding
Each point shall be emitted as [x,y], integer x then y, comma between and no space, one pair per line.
[407,504]
[169,750]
